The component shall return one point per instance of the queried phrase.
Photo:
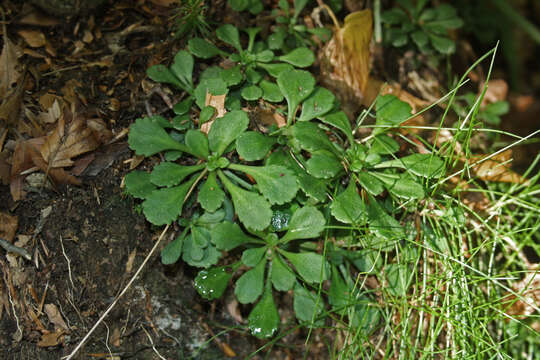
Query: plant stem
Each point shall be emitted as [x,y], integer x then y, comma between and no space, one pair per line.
[519,20]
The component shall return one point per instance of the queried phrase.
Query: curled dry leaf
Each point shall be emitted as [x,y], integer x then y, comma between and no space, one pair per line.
[497,169]
[497,90]
[55,317]
[8,226]
[218,102]
[34,38]
[9,72]
[345,62]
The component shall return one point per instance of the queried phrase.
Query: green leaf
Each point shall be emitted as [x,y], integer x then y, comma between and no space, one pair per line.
[311,186]
[426,165]
[306,306]
[252,145]
[250,285]
[397,276]
[402,186]
[214,86]
[232,76]
[323,164]
[265,56]
[277,183]
[182,67]
[296,86]
[211,196]
[383,145]
[271,91]
[308,265]
[264,318]
[170,174]
[229,34]
[239,5]
[311,137]
[227,236]
[252,209]
[202,48]
[163,206]
[253,76]
[162,74]
[443,44]
[275,69]
[420,38]
[391,111]
[341,121]
[198,256]
[365,260]
[394,16]
[138,184]
[211,283]
[306,223]
[171,253]
[251,92]
[382,224]
[206,114]
[282,276]
[183,106]
[339,295]
[348,206]
[226,129]
[146,137]
[317,104]
[197,142]
[251,257]
[299,57]
[369,182]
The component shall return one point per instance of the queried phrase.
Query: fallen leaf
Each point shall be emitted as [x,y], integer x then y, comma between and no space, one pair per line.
[72,137]
[131,259]
[34,38]
[346,57]
[51,339]
[8,226]
[218,102]
[55,317]
[21,162]
[9,73]
[11,106]
[38,19]
[497,90]
[497,169]
[5,168]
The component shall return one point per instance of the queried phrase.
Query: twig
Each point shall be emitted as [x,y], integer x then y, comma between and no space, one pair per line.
[9,247]
[152,342]
[68,263]
[100,320]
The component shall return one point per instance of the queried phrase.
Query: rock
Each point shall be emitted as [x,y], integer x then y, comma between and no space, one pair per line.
[67,7]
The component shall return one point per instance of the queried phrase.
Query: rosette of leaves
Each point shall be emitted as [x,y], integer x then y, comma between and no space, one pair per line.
[425,27]
[165,189]
[373,166]
[276,262]
[289,33]
[193,245]
[255,61]
[254,6]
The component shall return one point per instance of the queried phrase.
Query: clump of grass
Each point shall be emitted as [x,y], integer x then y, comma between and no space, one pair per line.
[190,19]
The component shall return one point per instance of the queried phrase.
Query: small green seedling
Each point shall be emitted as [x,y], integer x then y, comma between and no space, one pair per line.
[424,27]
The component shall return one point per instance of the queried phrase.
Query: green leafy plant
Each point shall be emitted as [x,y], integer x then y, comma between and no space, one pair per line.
[421,26]
[247,76]
[290,33]
[490,114]
[254,6]
[268,253]
[236,189]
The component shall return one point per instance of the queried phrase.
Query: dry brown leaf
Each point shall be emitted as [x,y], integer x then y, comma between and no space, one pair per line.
[218,102]
[497,168]
[529,289]
[51,339]
[72,137]
[5,168]
[34,38]
[11,105]
[346,57]
[9,72]
[38,19]
[8,226]
[55,317]
[497,90]
[21,162]
[131,259]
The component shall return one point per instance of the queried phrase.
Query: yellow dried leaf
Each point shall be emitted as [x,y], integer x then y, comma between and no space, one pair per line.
[347,53]
[497,168]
